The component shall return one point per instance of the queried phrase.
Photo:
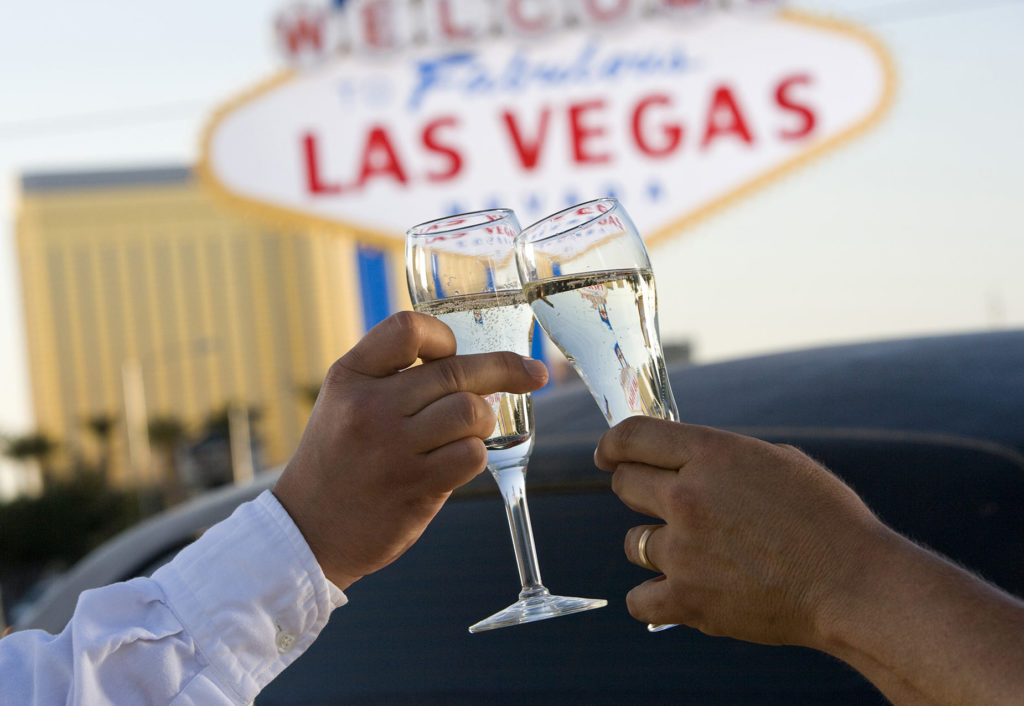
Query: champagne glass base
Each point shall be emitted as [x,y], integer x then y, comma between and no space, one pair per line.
[538,605]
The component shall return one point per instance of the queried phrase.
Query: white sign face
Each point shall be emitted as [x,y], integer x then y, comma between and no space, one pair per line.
[671,116]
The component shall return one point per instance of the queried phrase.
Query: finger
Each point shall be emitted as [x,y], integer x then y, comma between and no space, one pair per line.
[652,602]
[645,552]
[656,442]
[449,419]
[644,488]
[482,373]
[396,342]
[455,464]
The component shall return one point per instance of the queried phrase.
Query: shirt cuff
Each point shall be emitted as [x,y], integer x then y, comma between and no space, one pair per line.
[250,594]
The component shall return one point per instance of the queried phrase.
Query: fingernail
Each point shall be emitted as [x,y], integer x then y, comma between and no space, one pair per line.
[535,368]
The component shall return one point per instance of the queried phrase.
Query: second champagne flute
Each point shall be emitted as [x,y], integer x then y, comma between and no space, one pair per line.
[587,275]
[462,270]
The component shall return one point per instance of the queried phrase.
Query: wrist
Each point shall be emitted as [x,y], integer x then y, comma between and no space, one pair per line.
[854,587]
[300,507]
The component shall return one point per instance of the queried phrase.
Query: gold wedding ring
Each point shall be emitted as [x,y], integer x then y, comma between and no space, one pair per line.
[641,549]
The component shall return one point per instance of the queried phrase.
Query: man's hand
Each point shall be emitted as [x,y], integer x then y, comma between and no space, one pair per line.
[387,443]
[763,544]
[756,537]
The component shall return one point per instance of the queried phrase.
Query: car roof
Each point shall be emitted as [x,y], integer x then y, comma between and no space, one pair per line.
[134,551]
[969,386]
[926,429]
[966,385]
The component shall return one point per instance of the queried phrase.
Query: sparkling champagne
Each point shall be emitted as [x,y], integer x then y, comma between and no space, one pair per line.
[606,324]
[493,321]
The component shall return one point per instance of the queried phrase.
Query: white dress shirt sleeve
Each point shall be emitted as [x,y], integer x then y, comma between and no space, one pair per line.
[214,626]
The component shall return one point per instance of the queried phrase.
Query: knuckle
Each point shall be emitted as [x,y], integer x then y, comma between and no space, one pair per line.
[405,325]
[465,458]
[627,432]
[680,497]
[339,374]
[617,483]
[476,455]
[511,364]
[451,374]
[706,439]
[407,328]
[645,606]
[470,410]
[463,408]
[486,419]
[634,606]
[789,448]
[686,506]
[630,542]
[796,453]
[355,415]
[714,446]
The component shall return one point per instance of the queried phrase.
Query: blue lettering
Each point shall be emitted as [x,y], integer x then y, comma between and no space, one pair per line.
[436,74]
[463,72]
[480,83]
[512,78]
[580,70]
[612,65]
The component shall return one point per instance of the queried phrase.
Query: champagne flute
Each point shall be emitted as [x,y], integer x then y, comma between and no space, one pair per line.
[588,278]
[462,270]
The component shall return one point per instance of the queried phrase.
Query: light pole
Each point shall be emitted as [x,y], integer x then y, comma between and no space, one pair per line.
[136,421]
[240,441]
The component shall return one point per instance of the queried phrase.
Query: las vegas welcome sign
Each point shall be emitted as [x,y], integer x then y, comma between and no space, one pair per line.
[397,111]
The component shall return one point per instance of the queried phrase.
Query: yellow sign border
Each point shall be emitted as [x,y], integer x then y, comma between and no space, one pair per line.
[291,218]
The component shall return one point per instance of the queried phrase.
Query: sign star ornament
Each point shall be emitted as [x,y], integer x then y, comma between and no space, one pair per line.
[393,112]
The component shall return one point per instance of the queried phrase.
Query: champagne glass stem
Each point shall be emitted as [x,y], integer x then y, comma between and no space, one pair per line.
[512,483]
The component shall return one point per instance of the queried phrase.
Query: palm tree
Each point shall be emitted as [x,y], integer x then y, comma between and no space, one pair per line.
[35,447]
[166,434]
[102,427]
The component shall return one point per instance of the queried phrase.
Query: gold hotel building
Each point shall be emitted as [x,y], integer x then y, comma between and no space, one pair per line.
[140,275]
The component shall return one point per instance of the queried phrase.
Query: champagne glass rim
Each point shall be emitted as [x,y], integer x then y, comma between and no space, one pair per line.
[534,233]
[456,222]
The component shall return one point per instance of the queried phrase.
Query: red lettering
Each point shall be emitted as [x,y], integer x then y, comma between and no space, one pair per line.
[599,13]
[376,22]
[671,133]
[431,142]
[314,182]
[786,102]
[379,158]
[302,31]
[725,118]
[524,22]
[448,28]
[528,151]
[582,134]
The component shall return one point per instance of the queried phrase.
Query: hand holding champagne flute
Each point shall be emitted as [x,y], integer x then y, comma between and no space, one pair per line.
[587,276]
[462,270]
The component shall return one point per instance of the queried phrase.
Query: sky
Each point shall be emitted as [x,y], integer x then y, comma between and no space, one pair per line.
[912,229]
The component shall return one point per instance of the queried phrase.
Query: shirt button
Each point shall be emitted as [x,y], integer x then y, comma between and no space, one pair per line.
[284,640]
